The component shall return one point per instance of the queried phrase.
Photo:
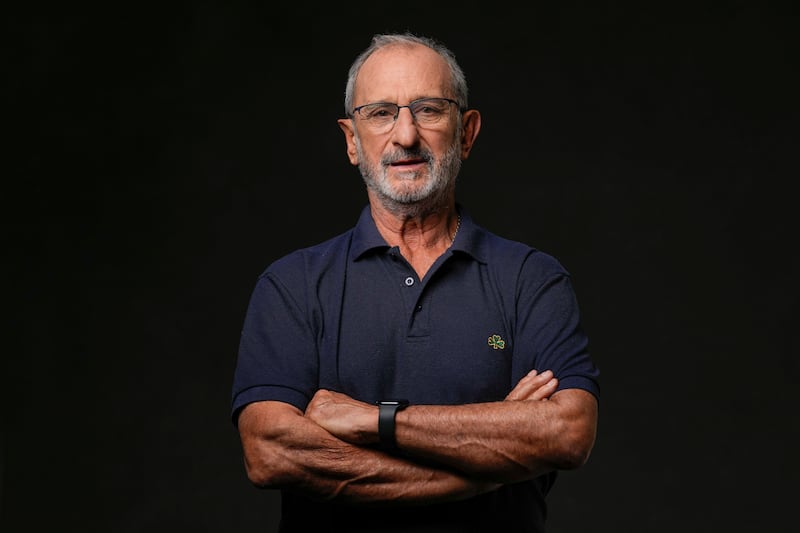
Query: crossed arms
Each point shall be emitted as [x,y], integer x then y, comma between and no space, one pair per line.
[448,452]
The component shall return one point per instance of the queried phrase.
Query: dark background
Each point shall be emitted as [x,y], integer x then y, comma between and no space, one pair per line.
[160,157]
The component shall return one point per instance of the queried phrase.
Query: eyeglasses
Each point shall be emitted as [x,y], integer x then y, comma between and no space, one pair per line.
[426,112]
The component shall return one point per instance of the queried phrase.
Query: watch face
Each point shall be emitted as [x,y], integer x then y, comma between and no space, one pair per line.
[393,402]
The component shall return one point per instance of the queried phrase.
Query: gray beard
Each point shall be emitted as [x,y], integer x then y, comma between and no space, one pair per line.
[434,193]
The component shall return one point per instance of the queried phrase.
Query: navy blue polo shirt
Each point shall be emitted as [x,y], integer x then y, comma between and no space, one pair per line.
[351,315]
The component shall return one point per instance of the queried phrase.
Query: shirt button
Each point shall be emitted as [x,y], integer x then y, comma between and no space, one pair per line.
[409,281]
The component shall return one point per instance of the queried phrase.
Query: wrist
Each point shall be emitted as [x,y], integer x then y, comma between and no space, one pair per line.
[387,412]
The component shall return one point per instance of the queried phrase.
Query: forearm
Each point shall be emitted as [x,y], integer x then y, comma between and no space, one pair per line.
[502,441]
[524,436]
[286,450]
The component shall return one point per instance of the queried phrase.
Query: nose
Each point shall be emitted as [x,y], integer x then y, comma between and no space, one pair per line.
[405,130]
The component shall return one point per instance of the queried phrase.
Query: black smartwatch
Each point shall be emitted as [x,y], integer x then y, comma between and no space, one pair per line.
[386,432]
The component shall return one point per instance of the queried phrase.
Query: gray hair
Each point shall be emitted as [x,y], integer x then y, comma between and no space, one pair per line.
[458,81]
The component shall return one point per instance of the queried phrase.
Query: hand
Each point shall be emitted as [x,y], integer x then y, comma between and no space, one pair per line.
[534,386]
[343,417]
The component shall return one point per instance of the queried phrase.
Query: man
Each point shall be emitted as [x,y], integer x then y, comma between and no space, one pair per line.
[473,342]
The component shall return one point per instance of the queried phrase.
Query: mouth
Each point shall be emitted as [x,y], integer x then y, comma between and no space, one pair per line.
[409,160]
[408,163]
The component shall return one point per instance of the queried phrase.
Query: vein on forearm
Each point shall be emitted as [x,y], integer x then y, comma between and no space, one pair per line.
[502,441]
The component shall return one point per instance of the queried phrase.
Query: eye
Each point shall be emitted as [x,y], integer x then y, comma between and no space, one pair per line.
[379,111]
[430,107]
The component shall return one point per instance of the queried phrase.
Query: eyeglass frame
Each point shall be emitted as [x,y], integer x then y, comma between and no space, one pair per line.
[356,109]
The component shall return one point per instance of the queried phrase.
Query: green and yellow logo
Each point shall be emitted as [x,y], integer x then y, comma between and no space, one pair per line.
[497,342]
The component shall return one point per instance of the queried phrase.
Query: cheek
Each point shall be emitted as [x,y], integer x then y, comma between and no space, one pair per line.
[369,150]
[441,143]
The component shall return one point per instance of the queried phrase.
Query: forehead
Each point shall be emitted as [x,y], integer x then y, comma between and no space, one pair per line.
[402,72]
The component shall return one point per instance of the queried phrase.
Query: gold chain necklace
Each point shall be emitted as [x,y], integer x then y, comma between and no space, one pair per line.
[458,227]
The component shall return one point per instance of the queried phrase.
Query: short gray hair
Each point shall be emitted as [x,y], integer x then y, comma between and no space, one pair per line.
[458,81]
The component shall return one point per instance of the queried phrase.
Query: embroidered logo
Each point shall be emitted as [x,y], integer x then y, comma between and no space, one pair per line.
[497,342]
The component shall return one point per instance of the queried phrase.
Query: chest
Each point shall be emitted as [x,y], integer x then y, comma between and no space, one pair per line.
[444,339]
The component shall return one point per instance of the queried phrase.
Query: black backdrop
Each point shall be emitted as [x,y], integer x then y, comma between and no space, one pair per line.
[160,158]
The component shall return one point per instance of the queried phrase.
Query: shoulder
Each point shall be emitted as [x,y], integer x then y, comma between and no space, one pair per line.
[311,262]
[515,258]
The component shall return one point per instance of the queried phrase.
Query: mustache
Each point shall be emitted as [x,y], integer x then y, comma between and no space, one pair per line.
[404,154]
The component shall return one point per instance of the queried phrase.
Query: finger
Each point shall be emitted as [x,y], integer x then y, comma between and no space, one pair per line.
[545,391]
[523,388]
[529,384]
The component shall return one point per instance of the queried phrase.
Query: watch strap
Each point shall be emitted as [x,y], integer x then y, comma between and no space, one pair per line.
[387,411]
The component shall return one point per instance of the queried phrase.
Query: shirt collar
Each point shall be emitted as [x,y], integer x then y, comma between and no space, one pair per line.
[366,237]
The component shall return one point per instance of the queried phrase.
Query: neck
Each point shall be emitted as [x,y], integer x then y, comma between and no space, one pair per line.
[435,230]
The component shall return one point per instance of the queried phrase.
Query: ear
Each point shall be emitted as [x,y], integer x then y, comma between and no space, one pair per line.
[471,125]
[346,125]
